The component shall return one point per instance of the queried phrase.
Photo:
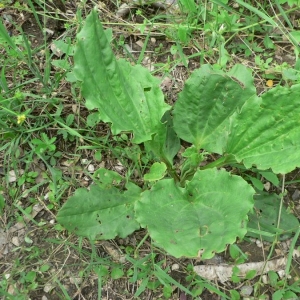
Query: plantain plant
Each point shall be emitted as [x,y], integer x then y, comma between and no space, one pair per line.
[198,208]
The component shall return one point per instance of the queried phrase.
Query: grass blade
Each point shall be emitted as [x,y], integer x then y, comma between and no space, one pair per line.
[258,12]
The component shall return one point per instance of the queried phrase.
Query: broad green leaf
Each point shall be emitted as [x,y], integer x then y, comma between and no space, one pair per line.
[157,171]
[189,5]
[273,277]
[288,295]
[200,219]
[100,213]
[93,119]
[234,295]
[127,96]
[64,47]
[290,74]
[278,295]
[107,178]
[242,75]
[266,132]
[208,99]
[116,273]
[165,144]
[270,176]
[250,274]
[265,216]
[256,183]
[296,36]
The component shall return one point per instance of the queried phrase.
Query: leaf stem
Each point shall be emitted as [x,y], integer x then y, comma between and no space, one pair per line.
[171,171]
[221,162]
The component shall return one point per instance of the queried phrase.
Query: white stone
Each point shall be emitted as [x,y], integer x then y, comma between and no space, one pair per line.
[15,241]
[175,267]
[246,290]
[48,287]
[91,168]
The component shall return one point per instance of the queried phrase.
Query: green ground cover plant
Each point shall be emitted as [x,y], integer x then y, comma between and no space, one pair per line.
[197,207]
[180,168]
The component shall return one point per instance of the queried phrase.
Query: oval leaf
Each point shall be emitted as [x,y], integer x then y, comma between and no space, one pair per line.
[100,213]
[200,219]
[203,108]
[266,131]
[157,171]
[126,96]
[265,217]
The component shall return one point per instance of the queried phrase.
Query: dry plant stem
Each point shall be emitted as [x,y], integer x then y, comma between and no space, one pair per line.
[223,272]
[46,208]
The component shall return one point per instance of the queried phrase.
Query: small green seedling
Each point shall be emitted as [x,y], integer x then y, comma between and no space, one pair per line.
[44,144]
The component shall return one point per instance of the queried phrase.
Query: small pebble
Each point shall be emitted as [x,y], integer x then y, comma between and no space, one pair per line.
[123,10]
[91,168]
[15,241]
[246,290]
[296,195]
[259,243]
[140,43]
[267,186]
[48,287]
[265,279]
[281,274]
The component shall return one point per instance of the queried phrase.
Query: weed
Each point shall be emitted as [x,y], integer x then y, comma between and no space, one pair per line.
[163,142]
[44,124]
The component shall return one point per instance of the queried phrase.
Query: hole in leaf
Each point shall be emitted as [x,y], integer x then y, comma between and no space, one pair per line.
[203,231]
[98,219]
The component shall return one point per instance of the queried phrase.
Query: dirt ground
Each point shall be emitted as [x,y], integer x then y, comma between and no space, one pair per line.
[71,265]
